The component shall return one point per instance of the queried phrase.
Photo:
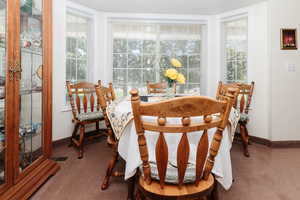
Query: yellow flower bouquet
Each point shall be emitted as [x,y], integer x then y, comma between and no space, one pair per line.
[172,75]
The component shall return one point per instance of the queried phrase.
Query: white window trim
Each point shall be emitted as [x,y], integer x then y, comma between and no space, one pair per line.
[161,18]
[91,14]
[223,20]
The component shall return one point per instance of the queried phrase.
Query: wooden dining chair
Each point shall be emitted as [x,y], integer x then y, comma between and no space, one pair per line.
[200,181]
[84,110]
[105,96]
[155,88]
[242,102]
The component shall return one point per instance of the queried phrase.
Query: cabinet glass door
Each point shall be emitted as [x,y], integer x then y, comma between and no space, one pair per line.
[2,89]
[30,130]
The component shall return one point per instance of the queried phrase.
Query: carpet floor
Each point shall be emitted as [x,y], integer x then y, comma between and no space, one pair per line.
[267,174]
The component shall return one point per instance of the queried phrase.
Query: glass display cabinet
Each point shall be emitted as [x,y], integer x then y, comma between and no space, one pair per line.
[25,97]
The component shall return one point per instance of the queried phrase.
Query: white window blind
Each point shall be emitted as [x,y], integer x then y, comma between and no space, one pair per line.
[236,50]
[142,51]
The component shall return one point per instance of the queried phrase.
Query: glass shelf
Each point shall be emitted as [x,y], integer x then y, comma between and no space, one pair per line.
[30,127]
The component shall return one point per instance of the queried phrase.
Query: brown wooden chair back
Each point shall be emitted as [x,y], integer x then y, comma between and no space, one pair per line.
[243,96]
[106,95]
[82,97]
[184,108]
[155,88]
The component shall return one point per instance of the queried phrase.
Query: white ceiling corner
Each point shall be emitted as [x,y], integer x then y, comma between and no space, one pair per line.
[192,7]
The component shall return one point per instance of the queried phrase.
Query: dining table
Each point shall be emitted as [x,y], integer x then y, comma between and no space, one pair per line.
[120,115]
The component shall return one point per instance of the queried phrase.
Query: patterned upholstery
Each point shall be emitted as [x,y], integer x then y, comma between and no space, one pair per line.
[244,117]
[90,116]
[172,173]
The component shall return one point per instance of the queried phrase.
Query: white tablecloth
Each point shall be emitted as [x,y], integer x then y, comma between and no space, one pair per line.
[129,151]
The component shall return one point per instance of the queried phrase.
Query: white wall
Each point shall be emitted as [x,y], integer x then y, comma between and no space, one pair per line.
[259,71]
[258,68]
[62,125]
[275,89]
[285,86]
[62,117]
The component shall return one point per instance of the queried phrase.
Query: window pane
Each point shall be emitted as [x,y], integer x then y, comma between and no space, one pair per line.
[183,71]
[135,46]
[236,50]
[230,75]
[193,47]
[166,47]
[70,63]
[194,61]
[120,46]
[120,60]
[81,70]
[165,61]
[149,61]
[150,47]
[71,46]
[183,60]
[119,76]
[135,76]
[134,61]
[181,47]
[194,75]
[77,47]
[149,75]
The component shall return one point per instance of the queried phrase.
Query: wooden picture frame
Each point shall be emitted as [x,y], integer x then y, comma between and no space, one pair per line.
[289,39]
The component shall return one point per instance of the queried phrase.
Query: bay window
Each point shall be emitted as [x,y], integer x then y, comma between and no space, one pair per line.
[235,50]
[142,52]
[77,61]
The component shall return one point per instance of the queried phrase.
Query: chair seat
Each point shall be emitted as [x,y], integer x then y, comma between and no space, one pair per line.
[171,190]
[90,116]
[244,117]
[172,173]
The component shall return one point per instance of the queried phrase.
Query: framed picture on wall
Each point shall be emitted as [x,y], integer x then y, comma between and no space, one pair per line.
[289,39]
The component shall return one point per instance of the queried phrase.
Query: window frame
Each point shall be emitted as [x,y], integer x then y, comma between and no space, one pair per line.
[223,47]
[90,15]
[90,38]
[202,54]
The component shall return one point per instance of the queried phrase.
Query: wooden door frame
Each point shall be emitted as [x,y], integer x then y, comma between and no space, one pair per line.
[9,95]
[46,91]
[24,185]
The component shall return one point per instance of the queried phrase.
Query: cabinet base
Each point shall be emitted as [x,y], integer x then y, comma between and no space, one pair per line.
[29,184]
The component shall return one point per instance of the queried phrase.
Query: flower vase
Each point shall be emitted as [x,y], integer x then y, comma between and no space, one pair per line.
[170,91]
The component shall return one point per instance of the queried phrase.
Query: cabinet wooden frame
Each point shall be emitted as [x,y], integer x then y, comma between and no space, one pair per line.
[22,185]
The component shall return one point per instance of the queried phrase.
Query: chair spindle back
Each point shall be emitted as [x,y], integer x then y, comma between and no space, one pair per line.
[243,96]
[184,108]
[105,96]
[82,97]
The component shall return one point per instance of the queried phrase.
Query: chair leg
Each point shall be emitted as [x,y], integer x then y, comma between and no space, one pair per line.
[247,135]
[74,134]
[97,126]
[131,184]
[214,194]
[81,141]
[139,195]
[244,139]
[110,168]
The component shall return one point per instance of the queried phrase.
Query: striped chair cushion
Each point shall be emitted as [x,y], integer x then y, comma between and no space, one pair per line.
[90,116]
[244,117]
[172,173]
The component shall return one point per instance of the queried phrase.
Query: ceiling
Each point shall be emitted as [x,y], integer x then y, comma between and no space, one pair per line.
[202,7]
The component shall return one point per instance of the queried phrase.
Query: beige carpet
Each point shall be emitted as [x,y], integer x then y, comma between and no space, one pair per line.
[267,174]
